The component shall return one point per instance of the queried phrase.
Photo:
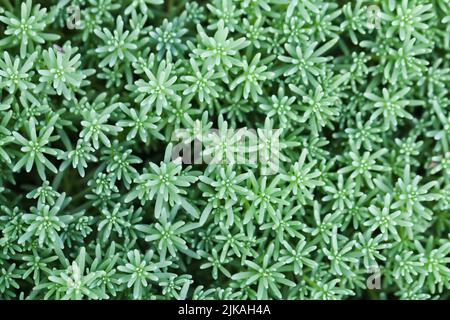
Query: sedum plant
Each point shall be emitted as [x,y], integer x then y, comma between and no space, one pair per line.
[224,149]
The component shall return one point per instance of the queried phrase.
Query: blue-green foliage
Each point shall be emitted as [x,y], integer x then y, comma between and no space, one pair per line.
[92,206]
